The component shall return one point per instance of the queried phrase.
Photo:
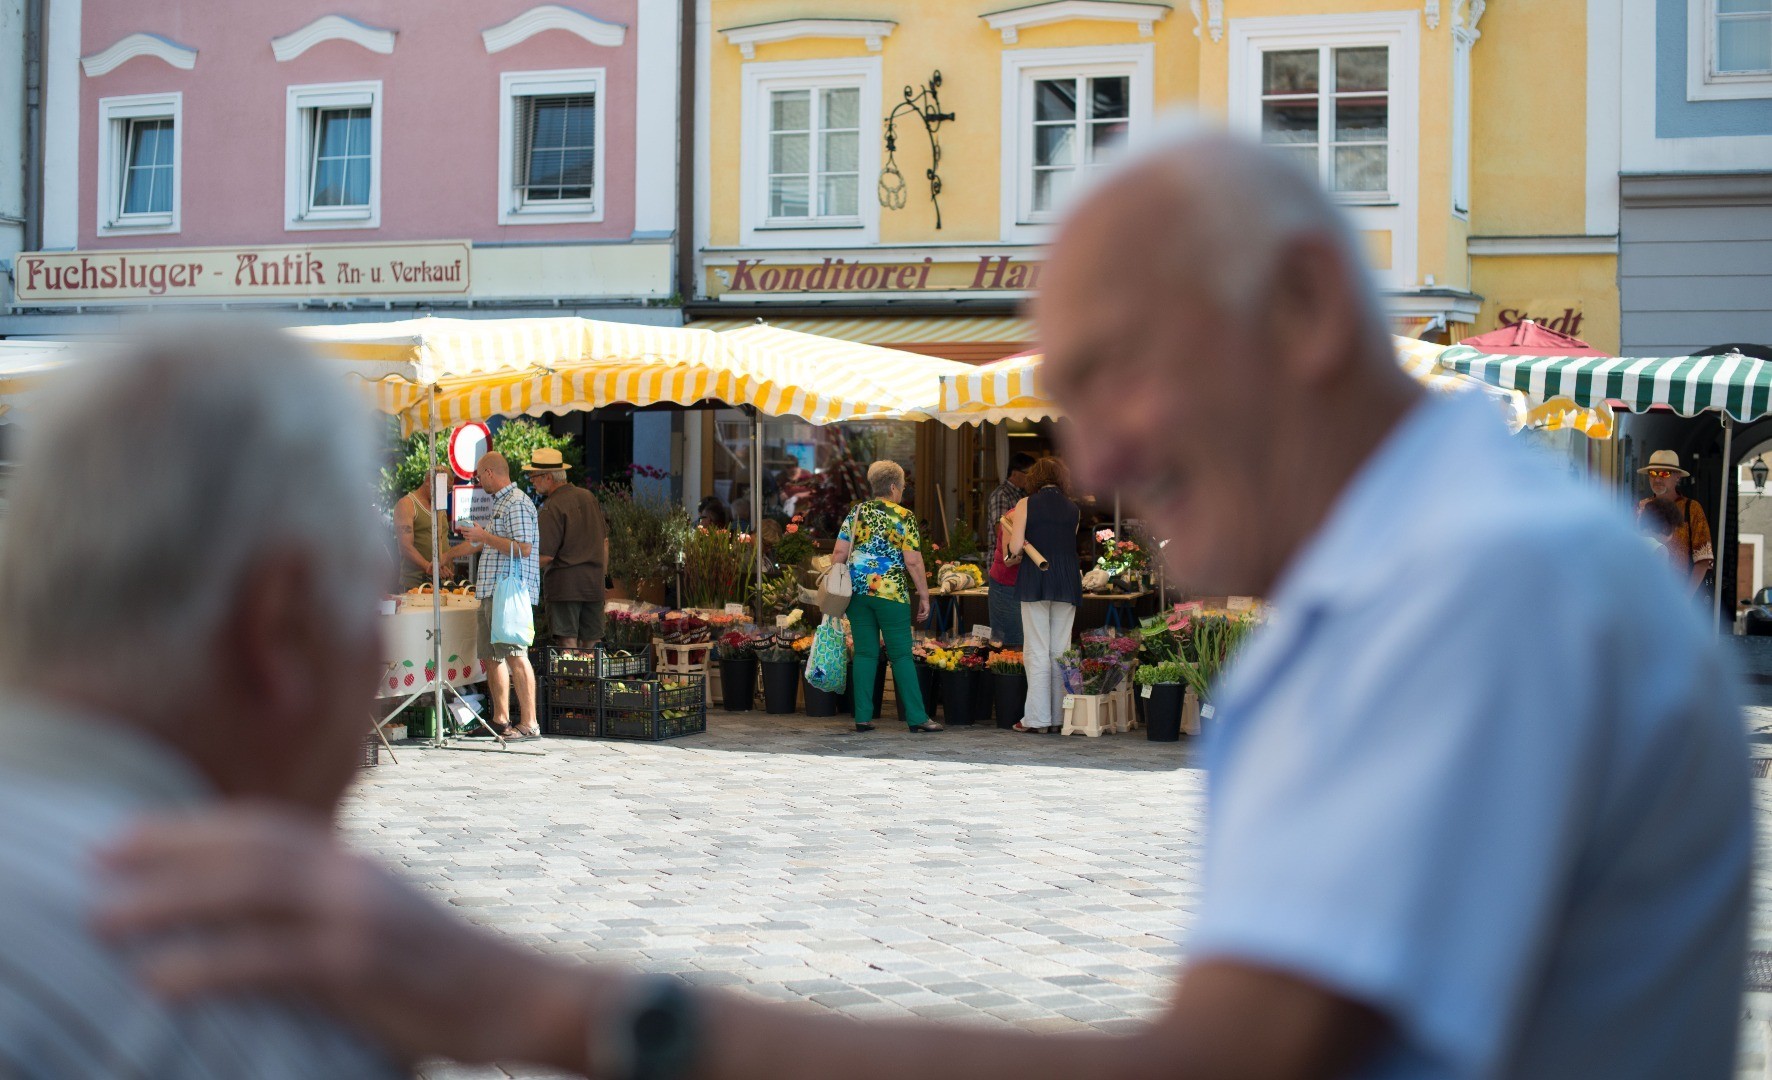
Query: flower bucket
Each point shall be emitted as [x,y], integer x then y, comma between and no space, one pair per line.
[1011,695]
[983,696]
[929,684]
[781,686]
[821,702]
[738,683]
[1162,711]
[956,696]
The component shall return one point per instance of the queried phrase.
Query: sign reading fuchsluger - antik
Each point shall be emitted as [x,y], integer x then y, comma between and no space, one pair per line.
[295,271]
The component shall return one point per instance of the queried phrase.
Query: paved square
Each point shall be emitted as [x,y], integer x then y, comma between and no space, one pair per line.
[978,876]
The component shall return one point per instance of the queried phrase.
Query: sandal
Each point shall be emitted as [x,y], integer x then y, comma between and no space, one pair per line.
[1028,730]
[927,726]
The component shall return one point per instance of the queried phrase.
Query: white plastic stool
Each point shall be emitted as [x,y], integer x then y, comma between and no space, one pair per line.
[1090,714]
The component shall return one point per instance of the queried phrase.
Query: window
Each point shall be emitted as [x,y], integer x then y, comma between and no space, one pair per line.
[1329,108]
[1077,123]
[811,152]
[138,164]
[1744,37]
[550,147]
[814,155]
[333,156]
[1728,49]
[1066,113]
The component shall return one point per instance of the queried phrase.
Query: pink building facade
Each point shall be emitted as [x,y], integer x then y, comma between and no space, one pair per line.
[457,156]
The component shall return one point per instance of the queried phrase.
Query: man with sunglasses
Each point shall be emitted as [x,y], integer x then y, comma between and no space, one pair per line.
[1690,543]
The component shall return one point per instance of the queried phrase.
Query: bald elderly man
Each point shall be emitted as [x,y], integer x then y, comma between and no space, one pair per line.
[506,543]
[1479,800]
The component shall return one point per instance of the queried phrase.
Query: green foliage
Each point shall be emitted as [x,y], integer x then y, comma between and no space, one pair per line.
[795,548]
[1150,674]
[717,568]
[646,536]
[780,594]
[516,440]
[1210,642]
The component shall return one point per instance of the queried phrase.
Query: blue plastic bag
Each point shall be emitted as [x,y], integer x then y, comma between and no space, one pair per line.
[513,619]
[827,664]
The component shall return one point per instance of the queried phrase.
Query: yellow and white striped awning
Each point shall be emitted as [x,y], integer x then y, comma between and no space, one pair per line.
[824,380]
[1009,390]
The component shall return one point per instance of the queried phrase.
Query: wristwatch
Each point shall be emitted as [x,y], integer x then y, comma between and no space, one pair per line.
[652,1035]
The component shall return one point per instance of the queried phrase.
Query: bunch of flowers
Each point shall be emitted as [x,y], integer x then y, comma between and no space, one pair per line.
[630,628]
[803,645]
[737,644]
[1120,555]
[921,648]
[1090,674]
[947,659]
[1006,662]
[795,548]
[780,593]
[1210,642]
[682,628]
[717,567]
[777,647]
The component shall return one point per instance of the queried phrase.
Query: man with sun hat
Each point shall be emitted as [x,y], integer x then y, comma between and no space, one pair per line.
[1690,543]
[574,552]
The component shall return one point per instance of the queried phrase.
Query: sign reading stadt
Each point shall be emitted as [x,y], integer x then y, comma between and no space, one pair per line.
[294,271]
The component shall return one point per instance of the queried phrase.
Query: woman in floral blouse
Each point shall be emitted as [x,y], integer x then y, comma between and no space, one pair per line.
[879,542]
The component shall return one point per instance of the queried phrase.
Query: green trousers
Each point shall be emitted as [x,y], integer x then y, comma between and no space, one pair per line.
[870,620]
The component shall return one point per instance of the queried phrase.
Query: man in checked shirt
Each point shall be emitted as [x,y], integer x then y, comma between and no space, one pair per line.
[511,535]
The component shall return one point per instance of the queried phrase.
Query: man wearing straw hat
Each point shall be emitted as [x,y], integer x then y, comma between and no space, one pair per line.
[574,552]
[1689,545]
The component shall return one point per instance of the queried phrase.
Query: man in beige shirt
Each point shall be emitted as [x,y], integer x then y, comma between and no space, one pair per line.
[574,553]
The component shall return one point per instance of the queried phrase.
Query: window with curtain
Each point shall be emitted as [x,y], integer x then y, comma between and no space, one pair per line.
[1743,37]
[341,158]
[147,167]
[557,153]
[814,155]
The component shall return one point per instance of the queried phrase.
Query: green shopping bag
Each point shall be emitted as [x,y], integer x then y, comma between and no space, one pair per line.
[827,664]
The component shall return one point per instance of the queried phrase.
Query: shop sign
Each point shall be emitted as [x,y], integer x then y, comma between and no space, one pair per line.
[1563,318]
[293,271]
[470,503]
[765,276]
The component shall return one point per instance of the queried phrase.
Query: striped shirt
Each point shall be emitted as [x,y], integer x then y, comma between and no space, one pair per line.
[70,1008]
[514,518]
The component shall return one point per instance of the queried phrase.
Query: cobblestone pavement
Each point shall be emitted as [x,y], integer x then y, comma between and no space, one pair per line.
[977,875]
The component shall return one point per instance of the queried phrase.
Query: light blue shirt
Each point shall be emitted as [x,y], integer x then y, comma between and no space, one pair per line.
[1485,771]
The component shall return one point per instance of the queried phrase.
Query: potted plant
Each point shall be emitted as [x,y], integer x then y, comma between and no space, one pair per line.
[975,662]
[1161,687]
[737,653]
[1207,644]
[781,674]
[956,683]
[718,567]
[1122,559]
[646,537]
[1009,686]
[795,548]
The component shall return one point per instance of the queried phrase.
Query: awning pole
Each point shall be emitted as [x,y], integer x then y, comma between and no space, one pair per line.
[431,479]
[757,508]
[1117,535]
[1720,538]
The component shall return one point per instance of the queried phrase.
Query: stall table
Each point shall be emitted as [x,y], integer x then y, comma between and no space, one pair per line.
[949,611]
[406,648]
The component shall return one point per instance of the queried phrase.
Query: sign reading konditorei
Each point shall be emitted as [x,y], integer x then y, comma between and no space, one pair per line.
[764,276]
[292,271]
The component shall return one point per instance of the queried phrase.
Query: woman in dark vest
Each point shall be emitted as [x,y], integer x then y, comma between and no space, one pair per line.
[1047,522]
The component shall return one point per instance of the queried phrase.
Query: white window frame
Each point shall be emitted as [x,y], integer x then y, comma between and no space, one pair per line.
[114,117]
[1462,41]
[1703,81]
[521,84]
[1024,67]
[1399,31]
[758,81]
[298,150]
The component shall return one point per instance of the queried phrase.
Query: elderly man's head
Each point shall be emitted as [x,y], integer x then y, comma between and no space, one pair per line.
[149,573]
[1210,331]
[493,472]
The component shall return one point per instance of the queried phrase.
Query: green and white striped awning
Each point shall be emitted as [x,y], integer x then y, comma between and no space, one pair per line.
[1732,383]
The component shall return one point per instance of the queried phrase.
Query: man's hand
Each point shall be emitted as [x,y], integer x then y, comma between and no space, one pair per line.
[475,534]
[255,899]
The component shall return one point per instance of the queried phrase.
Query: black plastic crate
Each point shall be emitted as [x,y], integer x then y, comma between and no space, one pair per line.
[601,664]
[575,720]
[565,691]
[653,709]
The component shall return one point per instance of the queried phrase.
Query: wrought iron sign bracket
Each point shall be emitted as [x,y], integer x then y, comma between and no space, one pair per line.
[925,105]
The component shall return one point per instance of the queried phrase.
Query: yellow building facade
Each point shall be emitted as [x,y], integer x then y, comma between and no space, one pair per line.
[890,171]
[1452,130]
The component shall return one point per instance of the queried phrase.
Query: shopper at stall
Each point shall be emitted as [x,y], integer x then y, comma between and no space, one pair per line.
[416,521]
[1005,605]
[879,542]
[574,552]
[171,637]
[1049,593]
[508,539]
[1480,802]
[1688,543]
[711,514]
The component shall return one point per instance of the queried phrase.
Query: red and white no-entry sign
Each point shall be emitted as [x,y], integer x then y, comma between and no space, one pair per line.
[467,444]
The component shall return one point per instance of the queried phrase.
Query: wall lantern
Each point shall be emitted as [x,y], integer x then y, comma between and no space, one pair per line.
[925,105]
[1758,471]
